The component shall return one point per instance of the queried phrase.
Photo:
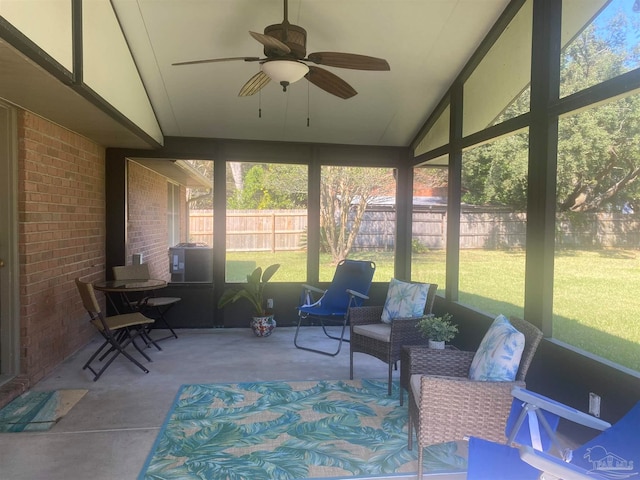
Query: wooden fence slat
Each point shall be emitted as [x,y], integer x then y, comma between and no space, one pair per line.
[285,230]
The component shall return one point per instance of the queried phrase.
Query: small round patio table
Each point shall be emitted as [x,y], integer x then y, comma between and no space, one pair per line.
[123,287]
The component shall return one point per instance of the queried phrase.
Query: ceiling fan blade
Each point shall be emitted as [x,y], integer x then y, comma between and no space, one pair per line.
[330,83]
[271,42]
[213,60]
[349,60]
[254,85]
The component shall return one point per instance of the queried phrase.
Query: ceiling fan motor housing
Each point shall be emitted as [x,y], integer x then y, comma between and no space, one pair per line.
[293,36]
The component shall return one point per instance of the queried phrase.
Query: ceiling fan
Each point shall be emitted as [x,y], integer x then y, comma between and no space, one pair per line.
[285,49]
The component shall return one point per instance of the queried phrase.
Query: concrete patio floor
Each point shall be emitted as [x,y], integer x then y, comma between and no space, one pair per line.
[110,432]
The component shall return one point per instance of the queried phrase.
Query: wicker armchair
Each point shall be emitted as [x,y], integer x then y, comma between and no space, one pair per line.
[444,405]
[370,335]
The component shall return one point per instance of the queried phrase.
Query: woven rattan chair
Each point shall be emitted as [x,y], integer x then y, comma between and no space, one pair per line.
[370,335]
[445,405]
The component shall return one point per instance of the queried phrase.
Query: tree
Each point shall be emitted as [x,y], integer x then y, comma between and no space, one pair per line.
[598,148]
[201,198]
[288,184]
[251,193]
[271,186]
[599,157]
[345,193]
[496,173]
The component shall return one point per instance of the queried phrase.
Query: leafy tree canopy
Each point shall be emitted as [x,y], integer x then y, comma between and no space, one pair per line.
[598,148]
[271,186]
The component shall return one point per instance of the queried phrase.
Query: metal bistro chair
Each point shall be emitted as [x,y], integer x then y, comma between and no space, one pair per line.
[349,288]
[157,305]
[118,331]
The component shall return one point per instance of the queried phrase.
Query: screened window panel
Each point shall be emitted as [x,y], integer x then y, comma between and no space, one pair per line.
[493,225]
[598,231]
[357,218]
[498,89]
[429,225]
[266,220]
[600,42]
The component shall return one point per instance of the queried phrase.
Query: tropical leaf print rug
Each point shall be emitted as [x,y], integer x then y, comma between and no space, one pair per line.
[289,430]
[35,411]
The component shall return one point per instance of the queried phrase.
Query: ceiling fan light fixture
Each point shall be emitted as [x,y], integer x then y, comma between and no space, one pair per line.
[285,49]
[285,71]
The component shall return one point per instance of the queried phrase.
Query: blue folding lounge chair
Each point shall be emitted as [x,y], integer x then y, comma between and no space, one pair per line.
[349,288]
[613,454]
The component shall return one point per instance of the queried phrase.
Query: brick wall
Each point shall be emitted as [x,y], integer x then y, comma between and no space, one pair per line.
[147,219]
[61,236]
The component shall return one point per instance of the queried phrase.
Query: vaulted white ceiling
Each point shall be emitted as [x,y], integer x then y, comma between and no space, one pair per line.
[426,42]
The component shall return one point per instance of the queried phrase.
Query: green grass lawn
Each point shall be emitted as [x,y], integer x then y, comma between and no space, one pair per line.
[595,300]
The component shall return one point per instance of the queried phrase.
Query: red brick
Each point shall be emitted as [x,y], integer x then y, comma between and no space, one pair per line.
[58,240]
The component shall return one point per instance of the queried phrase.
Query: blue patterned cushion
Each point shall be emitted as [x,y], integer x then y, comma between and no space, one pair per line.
[404,300]
[499,353]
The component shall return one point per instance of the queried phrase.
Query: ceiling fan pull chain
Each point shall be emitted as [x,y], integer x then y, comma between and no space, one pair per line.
[260,104]
[308,104]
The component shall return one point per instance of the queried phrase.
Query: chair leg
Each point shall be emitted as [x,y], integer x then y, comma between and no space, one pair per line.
[116,349]
[110,361]
[119,335]
[420,461]
[95,354]
[341,338]
[137,347]
[323,352]
[131,339]
[410,432]
[161,317]
[350,364]
[144,333]
[389,380]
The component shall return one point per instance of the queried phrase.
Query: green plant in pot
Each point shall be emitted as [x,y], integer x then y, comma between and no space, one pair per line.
[437,329]
[253,291]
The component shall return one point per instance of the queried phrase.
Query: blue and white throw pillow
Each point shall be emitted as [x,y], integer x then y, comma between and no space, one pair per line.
[404,300]
[499,353]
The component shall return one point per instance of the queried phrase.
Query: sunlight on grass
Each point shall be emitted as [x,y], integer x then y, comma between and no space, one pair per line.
[595,291]
[596,303]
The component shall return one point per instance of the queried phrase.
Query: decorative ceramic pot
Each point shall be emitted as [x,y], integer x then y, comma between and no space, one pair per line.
[436,345]
[263,326]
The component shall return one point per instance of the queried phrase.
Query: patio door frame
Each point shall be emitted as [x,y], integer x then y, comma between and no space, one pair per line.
[9,269]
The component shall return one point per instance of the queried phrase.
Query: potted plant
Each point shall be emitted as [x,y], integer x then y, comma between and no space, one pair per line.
[437,329]
[263,322]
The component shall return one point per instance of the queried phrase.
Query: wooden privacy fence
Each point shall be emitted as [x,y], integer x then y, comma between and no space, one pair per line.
[253,230]
[280,230]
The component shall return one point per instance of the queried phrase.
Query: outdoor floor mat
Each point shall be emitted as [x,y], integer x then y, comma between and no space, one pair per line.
[290,430]
[38,411]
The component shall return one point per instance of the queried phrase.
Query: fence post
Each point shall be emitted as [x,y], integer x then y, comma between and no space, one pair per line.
[273,232]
